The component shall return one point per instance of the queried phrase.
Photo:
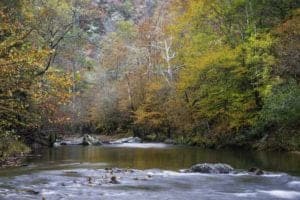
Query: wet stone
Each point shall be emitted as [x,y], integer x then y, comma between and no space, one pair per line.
[113,180]
[256,171]
[208,168]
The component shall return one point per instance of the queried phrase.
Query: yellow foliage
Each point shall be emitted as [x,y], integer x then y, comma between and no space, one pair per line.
[219,58]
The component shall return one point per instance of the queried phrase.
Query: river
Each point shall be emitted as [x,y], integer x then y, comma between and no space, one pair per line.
[149,171]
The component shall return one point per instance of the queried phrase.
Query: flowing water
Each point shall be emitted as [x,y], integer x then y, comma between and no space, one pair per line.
[150,171]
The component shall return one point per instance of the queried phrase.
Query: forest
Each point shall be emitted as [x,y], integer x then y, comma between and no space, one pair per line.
[208,73]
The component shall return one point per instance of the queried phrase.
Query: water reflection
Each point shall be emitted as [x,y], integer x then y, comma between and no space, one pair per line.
[170,157]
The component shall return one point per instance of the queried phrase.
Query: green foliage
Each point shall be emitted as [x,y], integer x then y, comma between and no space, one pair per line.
[126,30]
[229,86]
[282,106]
[126,8]
[226,85]
[228,79]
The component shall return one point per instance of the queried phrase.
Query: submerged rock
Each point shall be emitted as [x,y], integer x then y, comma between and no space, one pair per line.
[63,143]
[208,168]
[169,141]
[256,171]
[32,192]
[127,140]
[90,180]
[113,180]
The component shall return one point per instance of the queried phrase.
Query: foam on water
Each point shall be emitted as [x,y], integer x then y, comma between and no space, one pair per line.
[282,194]
[294,184]
[245,194]
[141,145]
[145,185]
[273,175]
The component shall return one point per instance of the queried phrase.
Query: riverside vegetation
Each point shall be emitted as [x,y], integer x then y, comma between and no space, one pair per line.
[212,73]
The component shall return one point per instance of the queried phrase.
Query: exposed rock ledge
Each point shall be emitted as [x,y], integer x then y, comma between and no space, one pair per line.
[209,168]
[219,168]
[84,140]
[90,140]
[127,140]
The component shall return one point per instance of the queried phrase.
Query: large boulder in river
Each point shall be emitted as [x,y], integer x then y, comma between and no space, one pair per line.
[208,168]
[89,140]
[127,140]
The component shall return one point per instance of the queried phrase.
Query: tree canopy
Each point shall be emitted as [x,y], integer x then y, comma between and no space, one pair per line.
[213,73]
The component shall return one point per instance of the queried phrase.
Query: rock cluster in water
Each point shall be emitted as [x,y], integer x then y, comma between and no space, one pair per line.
[90,140]
[209,168]
[219,168]
[127,140]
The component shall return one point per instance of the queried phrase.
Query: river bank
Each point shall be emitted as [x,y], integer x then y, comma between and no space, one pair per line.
[17,159]
[12,161]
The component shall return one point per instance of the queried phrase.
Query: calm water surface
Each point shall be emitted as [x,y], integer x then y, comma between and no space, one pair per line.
[149,156]
[68,172]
